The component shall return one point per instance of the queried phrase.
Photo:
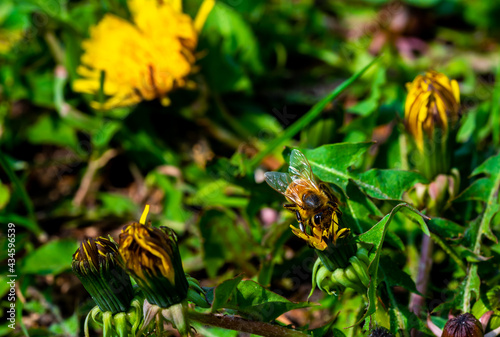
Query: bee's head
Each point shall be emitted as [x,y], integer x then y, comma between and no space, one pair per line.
[323,216]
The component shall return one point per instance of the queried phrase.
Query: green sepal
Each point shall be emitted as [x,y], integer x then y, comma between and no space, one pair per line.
[121,324]
[361,270]
[107,324]
[197,298]
[337,255]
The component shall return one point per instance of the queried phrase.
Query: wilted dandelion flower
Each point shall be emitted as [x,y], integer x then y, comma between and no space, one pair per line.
[144,59]
[465,325]
[380,332]
[433,101]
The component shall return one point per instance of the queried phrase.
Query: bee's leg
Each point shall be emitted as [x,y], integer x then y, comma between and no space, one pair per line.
[301,224]
[294,208]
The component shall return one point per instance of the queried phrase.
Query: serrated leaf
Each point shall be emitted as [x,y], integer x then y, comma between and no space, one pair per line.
[446,229]
[375,238]
[479,190]
[489,166]
[254,301]
[487,190]
[223,291]
[396,276]
[389,184]
[331,162]
[357,214]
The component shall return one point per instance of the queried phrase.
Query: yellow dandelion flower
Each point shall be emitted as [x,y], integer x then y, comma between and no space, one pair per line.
[316,239]
[319,237]
[142,60]
[433,101]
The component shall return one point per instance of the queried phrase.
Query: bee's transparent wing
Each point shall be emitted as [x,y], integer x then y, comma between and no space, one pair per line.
[300,167]
[278,180]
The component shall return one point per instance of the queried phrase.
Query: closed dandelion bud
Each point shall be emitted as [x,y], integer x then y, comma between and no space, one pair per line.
[380,332]
[465,325]
[432,110]
[151,256]
[325,283]
[354,275]
[96,264]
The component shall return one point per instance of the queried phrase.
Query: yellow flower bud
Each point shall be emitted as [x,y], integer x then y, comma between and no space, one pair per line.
[433,101]
[151,256]
[96,264]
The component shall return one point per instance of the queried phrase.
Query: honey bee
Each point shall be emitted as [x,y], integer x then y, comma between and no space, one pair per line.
[312,200]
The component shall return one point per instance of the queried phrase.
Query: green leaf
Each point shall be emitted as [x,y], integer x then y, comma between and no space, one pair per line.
[367,106]
[331,162]
[254,301]
[223,291]
[30,222]
[116,204]
[51,258]
[234,50]
[41,88]
[4,195]
[402,320]
[102,136]
[396,277]
[492,207]
[479,190]
[224,242]
[325,329]
[68,327]
[446,229]
[375,237]
[388,184]
[52,131]
[359,213]
[486,190]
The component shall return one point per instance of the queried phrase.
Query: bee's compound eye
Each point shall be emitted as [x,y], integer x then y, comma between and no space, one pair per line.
[317,218]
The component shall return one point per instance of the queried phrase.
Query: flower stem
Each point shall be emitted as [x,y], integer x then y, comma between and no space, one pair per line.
[244,325]
[424,268]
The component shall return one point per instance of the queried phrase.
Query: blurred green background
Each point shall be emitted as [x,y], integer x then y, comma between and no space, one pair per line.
[68,171]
